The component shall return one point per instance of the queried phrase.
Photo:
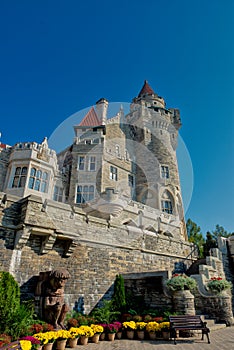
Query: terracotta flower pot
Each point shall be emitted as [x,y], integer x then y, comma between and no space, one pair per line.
[130,334]
[152,335]
[119,335]
[84,340]
[166,335]
[140,334]
[61,344]
[73,342]
[48,346]
[111,336]
[95,338]
[102,336]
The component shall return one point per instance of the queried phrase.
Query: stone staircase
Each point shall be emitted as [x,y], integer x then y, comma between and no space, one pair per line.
[211,324]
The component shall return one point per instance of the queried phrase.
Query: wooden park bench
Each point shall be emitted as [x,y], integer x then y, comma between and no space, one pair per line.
[187,323]
[12,346]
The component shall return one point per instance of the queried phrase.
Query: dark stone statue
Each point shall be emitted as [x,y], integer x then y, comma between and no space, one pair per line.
[50,294]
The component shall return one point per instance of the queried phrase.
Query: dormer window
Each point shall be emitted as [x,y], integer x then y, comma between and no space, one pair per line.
[20,177]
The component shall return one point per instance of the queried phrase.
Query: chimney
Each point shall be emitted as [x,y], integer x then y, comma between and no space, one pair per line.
[101,110]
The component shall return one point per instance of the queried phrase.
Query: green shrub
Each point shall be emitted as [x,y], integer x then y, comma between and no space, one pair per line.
[118,298]
[9,300]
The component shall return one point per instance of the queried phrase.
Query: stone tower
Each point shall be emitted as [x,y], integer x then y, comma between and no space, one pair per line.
[152,141]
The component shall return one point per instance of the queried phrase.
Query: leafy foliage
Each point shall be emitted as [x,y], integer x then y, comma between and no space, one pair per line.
[218,284]
[9,299]
[118,298]
[195,236]
[181,282]
[105,313]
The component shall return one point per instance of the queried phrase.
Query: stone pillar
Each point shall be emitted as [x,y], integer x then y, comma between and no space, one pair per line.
[183,302]
[225,308]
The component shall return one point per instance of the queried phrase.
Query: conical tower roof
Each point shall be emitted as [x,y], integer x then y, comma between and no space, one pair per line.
[146,89]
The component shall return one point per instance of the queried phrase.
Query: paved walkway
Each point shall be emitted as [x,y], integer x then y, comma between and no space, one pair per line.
[222,339]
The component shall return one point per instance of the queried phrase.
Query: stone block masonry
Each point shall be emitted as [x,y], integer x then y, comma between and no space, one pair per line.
[37,236]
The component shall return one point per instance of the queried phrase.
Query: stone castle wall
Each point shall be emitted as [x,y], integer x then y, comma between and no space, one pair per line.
[39,236]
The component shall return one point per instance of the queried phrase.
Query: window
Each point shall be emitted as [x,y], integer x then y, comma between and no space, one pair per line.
[81,163]
[117,152]
[20,177]
[130,180]
[92,163]
[38,180]
[165,172]
[113,173]
[88,142]
[167,206]
[84,193]
[167,202]
[126,155]
[58,194]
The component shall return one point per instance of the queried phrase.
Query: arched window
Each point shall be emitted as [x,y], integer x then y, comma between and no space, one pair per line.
[167,202]
[20,177]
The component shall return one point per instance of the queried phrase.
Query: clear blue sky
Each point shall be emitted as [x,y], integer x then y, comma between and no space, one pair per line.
[58,57]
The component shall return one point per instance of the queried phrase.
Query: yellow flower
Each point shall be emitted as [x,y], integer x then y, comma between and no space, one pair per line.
[25,344]
[164,326]
[75,332]
[87,331]
[97,328]
[140,325]
[129,324]
[152,326]
[62,334]
[47,337]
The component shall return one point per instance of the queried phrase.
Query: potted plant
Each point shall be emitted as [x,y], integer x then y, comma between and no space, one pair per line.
[75,334]
[86,333]
[140,327]
[103,334]
[35,343]
[111,330]
[25,344]
[97,329]
[47,339]
[165,329]
[152,327]
[130,326]
[218,285]
[119,332]
[180,282]
[62,336]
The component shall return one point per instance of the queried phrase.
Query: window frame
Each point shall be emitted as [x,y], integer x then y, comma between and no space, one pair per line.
[165,172]
[85,192]
[20,177]
[113,173]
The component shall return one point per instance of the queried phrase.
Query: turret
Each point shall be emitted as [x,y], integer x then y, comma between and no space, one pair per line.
[101,110]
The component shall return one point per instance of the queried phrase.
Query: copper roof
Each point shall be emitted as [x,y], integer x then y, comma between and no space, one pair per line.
[91,119]
[146,89]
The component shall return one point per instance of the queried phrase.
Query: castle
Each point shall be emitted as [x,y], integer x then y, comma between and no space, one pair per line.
[109,203]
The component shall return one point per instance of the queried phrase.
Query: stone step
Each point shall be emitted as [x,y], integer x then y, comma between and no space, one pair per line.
[212,324]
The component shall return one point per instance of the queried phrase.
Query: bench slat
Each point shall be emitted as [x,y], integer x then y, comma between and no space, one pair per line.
[187,322]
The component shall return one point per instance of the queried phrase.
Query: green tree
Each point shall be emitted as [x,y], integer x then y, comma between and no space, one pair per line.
[220,232]
[210,242]
[195,236]
[118,298]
